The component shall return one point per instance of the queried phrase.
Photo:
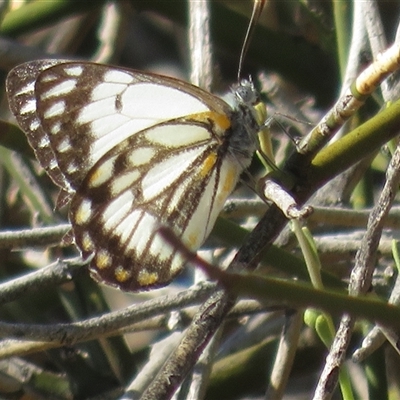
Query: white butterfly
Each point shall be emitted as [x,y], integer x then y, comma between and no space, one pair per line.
[134,150]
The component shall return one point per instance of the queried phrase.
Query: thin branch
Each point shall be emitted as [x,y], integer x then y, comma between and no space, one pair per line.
[285,356]
[45,236]
[200,44]
[111,31]
[59,272]
[159,354]
[208,319]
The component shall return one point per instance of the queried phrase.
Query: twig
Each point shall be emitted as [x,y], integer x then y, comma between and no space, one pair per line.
[111,31]
[45,236]
[377,336]
[285,356]
[200,44]
[206,322]
[285,201]
[159,354]
[59,272]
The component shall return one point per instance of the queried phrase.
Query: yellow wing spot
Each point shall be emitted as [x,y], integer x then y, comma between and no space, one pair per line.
[193,241]
[102,173]
[103,259]
[80,217]
[220,120]
[146,278]
[229,185]
[94,177]
[121,274]
[87,242]
[208,164]
[83,212]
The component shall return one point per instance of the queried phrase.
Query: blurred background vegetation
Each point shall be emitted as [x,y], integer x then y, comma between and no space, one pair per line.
[298,58]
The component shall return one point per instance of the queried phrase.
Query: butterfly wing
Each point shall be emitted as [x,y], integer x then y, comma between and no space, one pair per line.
[136,150]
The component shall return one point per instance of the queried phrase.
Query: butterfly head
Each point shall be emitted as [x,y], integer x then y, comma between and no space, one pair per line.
[245,92]
[247,96]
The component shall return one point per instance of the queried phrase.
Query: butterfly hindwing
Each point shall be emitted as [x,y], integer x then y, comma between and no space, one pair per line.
[144,183]
[119,208]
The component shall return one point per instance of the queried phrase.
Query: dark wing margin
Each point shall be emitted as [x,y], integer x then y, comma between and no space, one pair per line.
[20,86]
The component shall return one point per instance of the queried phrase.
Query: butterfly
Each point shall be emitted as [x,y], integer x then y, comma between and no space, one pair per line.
[132,151]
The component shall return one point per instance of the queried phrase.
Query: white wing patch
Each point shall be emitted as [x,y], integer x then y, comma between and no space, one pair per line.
[102,173]
[178,105]
[62,88]
[84,212]
[116,76]
[96,110]
[74,70]
[55,110]
[28,107]
[177,135]
[25,89]
[124,182]
[145,227]
[141,156]
[110,125]
[63,146]
[55,128]
[116,210]
[164,174]
[105,90]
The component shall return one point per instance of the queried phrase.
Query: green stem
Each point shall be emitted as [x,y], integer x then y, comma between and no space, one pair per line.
[300,295]
[342,14]
[356,145]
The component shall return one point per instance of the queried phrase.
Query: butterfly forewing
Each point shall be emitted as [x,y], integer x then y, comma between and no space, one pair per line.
[137,151]
[89,109]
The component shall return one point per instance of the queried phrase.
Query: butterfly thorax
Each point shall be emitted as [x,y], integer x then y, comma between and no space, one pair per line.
[246,122]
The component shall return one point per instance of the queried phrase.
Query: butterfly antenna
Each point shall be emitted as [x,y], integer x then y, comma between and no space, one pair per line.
[258,6]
